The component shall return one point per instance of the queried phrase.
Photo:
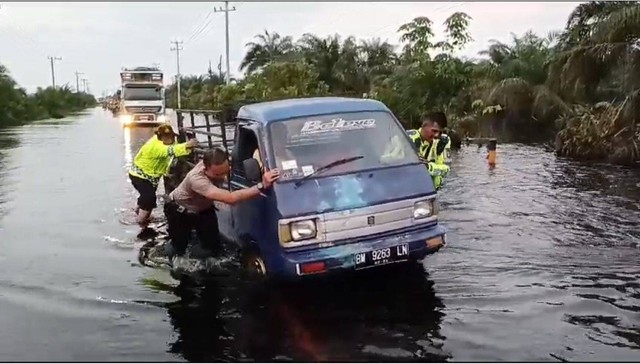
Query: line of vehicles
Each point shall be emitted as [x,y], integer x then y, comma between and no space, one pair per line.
[141,97]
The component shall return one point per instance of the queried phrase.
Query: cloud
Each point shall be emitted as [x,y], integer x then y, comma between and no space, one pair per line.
[100,38]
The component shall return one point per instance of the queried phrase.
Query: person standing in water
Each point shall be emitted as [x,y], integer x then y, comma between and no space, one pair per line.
[150,164]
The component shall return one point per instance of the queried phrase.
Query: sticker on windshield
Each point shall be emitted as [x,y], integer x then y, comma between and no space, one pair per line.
[307,170]
[318,126]
[290,164]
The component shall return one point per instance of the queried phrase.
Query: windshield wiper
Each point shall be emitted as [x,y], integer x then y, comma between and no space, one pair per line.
[328,166]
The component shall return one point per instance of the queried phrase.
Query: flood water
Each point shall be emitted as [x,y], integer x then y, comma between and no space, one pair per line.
[543,264]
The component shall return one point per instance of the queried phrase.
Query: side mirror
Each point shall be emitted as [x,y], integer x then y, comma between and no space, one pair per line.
[252,170]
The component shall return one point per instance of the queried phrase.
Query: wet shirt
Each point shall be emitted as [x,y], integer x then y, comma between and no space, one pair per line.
[191,192]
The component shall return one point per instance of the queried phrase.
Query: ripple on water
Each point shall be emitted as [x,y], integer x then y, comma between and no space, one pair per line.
[541,265]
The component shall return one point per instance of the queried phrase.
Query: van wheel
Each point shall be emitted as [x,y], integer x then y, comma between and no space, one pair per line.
[253,265]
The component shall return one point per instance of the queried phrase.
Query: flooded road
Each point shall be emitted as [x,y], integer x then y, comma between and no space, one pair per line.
[542,265]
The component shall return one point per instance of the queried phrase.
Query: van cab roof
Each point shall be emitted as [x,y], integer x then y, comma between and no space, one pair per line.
[267,112]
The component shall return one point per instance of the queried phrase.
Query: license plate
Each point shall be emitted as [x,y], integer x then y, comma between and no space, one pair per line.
[382,256]
[144,118]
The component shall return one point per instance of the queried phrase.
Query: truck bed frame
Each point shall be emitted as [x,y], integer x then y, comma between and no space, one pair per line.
[213,128]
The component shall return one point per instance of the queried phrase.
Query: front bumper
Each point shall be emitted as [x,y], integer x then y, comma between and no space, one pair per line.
[342,257]
[142,119]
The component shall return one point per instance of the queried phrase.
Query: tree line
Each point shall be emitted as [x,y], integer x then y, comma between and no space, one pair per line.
[577,87]
[18,107]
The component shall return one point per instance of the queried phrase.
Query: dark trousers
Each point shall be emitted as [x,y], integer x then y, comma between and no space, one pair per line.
[147,191]
[180,224]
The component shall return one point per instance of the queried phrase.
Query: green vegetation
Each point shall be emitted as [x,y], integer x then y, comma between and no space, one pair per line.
[579,85]
[17,107]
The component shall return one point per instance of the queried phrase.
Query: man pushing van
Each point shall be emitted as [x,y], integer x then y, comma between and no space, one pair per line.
[190,205]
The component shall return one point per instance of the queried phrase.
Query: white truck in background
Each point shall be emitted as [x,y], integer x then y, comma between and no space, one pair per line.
[142,99]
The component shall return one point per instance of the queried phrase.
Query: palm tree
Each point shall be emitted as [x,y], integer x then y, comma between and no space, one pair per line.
[599,59]
[586,17]
[599,50]
[378,59]
[323,55]
[514,78]
[267,48]
[525,58]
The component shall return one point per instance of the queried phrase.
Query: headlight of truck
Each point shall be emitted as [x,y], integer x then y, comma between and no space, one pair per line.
[423,209]
[126,118]
[298,230]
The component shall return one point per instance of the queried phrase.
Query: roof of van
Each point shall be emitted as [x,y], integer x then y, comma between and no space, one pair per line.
[266,112]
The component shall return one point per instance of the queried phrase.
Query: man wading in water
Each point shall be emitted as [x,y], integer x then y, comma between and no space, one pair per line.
[190,205]
[150,164]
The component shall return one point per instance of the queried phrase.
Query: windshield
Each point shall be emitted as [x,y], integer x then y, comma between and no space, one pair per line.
[140,93]
[301,146]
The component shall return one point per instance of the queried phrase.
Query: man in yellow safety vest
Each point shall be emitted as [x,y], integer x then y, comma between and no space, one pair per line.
[432,147]
[440,118]
[152,163]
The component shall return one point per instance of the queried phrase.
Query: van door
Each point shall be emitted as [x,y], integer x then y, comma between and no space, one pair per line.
[248,216]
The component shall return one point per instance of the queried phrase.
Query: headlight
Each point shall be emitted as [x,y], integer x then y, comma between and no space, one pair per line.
[423,209]
[126,118]
[303,230]
[298,230]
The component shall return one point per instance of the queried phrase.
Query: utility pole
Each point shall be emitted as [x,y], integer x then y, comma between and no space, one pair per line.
[85,84]
[177,48]
[78,81]
[226,11]
[53,71]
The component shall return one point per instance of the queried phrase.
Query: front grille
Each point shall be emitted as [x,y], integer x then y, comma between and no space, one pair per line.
[372,220]
[144,117]
[143,109]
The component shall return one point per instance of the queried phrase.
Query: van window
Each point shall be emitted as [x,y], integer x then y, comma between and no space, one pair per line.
[300,146]
[246,145]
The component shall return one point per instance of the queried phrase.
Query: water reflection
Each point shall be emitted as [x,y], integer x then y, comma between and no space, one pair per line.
[388,315]
[133,139]
[8,141]
[128,153]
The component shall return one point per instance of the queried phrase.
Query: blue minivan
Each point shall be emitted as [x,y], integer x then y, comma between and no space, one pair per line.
[352,194]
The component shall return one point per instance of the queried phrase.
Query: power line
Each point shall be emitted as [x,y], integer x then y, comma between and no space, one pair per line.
[53,71]
[204,31]
[199,31]
[177,48]
[226,11]
[202,20]
[341,15]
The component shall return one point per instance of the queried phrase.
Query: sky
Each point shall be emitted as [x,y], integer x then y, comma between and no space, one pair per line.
[98,39]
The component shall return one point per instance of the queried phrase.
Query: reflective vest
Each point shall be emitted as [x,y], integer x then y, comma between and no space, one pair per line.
[447,150]
[154,159]
[436,163]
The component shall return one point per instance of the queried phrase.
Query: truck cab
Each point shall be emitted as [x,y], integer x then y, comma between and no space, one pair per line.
[352,195]
[142,97]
